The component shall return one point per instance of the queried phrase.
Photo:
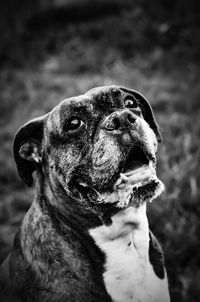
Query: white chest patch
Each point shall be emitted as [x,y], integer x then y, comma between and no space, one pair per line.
[128,275]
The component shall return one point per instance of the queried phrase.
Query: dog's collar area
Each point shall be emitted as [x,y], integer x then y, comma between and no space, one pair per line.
[134,267]
[68,218]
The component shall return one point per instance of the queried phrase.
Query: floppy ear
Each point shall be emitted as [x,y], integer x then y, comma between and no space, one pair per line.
[147,111]
[27,148]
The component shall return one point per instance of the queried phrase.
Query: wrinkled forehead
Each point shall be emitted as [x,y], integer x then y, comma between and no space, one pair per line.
[106,98]
[100,100]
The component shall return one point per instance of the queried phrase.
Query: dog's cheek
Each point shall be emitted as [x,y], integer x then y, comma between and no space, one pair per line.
[106,157]
[148,136]
[61,163]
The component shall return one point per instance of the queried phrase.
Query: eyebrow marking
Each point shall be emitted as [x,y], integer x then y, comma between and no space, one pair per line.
[55,139]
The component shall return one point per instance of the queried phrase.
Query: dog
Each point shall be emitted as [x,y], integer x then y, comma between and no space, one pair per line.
[86,237]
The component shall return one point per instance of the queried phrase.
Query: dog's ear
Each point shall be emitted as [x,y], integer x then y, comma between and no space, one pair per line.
[146,111]
[27,148]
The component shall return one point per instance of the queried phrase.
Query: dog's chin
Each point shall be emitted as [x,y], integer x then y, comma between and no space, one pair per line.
[132,188]
[142,191]
[137,183]
[135,187]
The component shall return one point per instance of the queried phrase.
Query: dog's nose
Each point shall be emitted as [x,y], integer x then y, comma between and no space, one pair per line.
[119,120]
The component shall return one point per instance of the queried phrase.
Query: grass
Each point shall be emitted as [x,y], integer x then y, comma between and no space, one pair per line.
[130,49]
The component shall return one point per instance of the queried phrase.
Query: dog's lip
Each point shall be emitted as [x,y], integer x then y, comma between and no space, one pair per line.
[140,174]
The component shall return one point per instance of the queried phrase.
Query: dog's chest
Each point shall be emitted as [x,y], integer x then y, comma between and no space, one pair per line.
[128,274]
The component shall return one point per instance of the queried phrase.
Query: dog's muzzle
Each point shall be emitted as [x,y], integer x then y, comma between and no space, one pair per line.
[119,121]
[136,181]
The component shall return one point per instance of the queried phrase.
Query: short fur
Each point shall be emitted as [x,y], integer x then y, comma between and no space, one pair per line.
[55,258]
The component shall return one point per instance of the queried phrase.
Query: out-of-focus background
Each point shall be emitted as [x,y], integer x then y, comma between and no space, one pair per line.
[50,50]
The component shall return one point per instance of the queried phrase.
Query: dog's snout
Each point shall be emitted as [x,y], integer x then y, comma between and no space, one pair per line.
[119,120]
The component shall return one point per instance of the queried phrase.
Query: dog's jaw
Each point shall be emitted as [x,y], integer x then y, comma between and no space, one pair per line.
[133,183]
[135,189]
[138,186]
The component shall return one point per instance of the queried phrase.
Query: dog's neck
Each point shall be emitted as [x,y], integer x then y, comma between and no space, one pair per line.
[65,224]
[130,226]
[129,272]
[125,244]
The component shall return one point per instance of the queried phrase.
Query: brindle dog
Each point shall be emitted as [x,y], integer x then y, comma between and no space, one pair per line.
[86,235]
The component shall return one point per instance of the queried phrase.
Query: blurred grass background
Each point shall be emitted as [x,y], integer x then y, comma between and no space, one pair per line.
[54,49]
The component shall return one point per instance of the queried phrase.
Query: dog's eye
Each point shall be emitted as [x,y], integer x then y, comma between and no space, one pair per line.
[73,124]
[130,103]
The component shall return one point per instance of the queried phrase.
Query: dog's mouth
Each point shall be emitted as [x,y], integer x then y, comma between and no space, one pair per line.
[137,181]
[136,158]
[139,166]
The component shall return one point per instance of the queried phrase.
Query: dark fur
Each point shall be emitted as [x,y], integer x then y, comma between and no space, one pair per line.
[53,257]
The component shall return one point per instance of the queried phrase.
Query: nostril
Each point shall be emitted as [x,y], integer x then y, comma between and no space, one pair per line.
[119,121]
[116,123]
[131,118]
[113,124]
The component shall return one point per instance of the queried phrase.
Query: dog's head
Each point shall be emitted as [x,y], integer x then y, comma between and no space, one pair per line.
[100,148]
